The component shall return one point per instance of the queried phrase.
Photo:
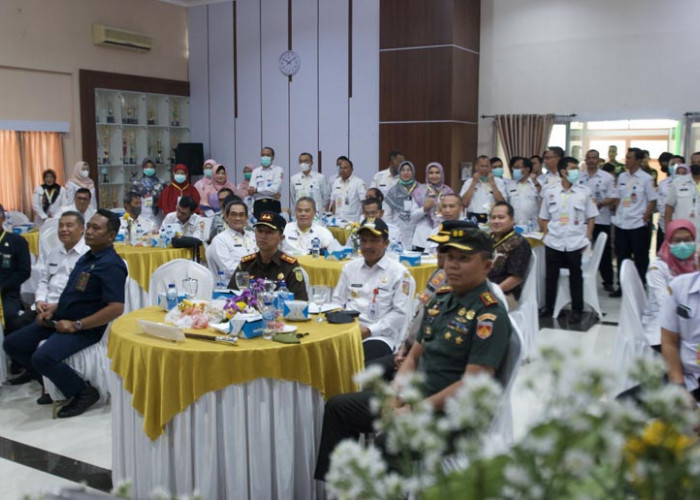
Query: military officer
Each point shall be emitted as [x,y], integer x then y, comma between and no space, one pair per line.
[15,268]
[268,262]
[465,331]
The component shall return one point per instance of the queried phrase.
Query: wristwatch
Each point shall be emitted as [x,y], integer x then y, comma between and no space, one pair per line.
[78,325]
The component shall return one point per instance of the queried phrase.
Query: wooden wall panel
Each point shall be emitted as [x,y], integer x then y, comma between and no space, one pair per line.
[466,23]
[413,23]
[465,86]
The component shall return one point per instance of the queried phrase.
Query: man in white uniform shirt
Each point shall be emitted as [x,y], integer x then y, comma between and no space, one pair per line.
[347,193]
[266,184]
[551,162]
[635,189]
[567,217]
[379,288]
[386,179]
[683,199]
[235,242]
[184,221]
[81,203]
[372,208]
[132,205]
[481,192]
[602,185]
[299,235]
[309,183]
[522,193]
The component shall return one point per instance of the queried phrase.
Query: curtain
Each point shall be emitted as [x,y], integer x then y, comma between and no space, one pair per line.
[11,166]
[40,151]
[524,135]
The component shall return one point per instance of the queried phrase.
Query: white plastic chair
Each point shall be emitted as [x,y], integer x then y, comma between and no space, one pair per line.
[17,219]
[590,272]
[630,341]
[177,270]
[208,254]
[47,242]
[49,225]
[525,315]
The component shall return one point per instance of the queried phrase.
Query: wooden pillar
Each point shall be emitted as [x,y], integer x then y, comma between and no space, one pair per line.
[429,82]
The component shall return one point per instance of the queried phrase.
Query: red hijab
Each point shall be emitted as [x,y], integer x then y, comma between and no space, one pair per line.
[167,201]
[676,265]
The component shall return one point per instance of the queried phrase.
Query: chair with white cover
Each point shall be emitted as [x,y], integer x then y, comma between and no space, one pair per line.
[49,225]
[590,273]
[208,255]
[525,315]
[47,242]
[15,219]
[630,341]
[177,270]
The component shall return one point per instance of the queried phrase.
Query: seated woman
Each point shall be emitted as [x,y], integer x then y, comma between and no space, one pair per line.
[47,198]
[429,195]
[676,257]
[400,206]
[511,253]
[210,193]
[178,188]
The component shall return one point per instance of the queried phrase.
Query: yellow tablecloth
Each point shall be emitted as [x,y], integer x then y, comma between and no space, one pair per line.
[327,272]
[164,378]
[142,261]
[32,238]
[339,233]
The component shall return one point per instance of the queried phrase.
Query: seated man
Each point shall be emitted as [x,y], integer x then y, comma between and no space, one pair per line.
[299,236]
[465,331]
[81,203]
[512,253]
[451,209]
[15,269]
[268,262]
[380,289]
[141,224]
[93,296]
[228,248]
[218,224]
[372,208]
[184,221]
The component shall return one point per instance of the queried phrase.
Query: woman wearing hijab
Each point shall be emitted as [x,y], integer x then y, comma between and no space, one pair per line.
[202,184]
[80,178]
[677,256]
[47,198]
[242,190]
[219,181]
[179,186]
[149,187]
[429,195]
[400,206]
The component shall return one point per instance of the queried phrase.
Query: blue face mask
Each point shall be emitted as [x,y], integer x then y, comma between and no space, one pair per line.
[517,174]
[498,172]
[572,176]
[149,172]
[207,173]
[265,161]
[180,178]
[683,250]
[671,170]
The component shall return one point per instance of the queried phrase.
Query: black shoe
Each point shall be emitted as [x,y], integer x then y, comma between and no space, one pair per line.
[44,399]
[575,317]
[15,369]
[26,377]
[608,287]
[80,402]
[545,312]
[616,293]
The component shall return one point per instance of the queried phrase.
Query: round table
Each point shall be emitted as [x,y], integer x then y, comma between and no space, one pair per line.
[32,238]
[142,261]
[322,271]
[229,421]
[340,233]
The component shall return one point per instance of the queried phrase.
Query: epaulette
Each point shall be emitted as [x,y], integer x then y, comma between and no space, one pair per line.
[487,299]
[248,258]
[443,289]
[288,258]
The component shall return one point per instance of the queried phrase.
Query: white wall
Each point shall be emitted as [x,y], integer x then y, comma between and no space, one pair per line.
[600,59]
[312,113]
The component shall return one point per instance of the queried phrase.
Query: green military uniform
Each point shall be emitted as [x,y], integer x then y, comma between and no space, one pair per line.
[282,267]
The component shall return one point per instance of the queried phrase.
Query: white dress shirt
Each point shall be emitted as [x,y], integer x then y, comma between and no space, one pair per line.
[228,248]
[394,303]
[482,199]
[298,242]
[683,196]
[663,190]
[266,181]
[568,212]
[347,196]
[313,185]
[54,271]
[525,199]
[384,181]
[635,192]
[602,185]
[684,300]
[195,225]
[547,180]
[658,279]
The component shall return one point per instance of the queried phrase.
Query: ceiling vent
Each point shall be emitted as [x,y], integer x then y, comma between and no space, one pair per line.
[112,37]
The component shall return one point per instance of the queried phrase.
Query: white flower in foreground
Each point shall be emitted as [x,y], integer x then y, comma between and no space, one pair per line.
[474,404]
[370,375]
[516,475]
[355,472]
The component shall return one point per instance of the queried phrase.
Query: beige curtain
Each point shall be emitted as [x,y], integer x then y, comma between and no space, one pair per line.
[40,151]
[10,171]
[524,135]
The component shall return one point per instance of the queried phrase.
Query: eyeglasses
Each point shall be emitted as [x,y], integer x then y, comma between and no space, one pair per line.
[237,215]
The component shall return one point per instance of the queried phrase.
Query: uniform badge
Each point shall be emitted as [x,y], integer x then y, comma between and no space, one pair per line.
[486,317]
[437,279]
[487,299]
[484,329]
[82,282]
[428,331]
[433,312]
[406,287]
[448,336]
[385,280]
[298,274]
[470,315]
[459,341]
[462,311]
[354,294]
[280,276]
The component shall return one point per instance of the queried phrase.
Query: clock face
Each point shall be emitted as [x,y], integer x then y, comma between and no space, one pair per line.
[289,62]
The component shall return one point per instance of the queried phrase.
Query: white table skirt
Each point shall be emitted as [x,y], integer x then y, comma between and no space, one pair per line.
[541,273]
[254,440]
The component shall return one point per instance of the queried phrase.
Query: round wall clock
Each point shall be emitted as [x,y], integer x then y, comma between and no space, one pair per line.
[289,62]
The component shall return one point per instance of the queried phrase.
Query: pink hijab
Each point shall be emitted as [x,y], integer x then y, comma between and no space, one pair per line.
[83,182]
[676,265]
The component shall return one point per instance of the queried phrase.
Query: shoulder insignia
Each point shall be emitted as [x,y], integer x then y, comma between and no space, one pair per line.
[288,258]
[486,317]
[298,274]
[437,279]
[280,276]
[488,299]
[444,289]
[670,292]
[484,329]
[653,268]
[249,257]
[433,311]
[406,275]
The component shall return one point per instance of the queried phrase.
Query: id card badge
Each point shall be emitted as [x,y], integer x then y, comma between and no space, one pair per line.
[564,219]
[338,202]
[178,201]
[81,284]
[373,310]
[407,205]
[148,201]
[626,201]
[347,200]
[6,261]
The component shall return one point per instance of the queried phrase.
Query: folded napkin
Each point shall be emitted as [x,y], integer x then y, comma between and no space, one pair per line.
[286,338]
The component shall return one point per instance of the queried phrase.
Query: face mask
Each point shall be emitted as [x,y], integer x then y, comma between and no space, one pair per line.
[207,173]
[695,170]
[572,176]
[517,174]
[149,172]
[84,174]
[683,250]
[247,175]
[681,178]
[671,170]
[498,172]
[305,167]
[180,178]
[484,178]
[136,211]
[265,161]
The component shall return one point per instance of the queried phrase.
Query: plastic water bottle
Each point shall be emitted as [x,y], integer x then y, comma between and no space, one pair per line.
[315,248]
[269,315]
[171,296]
[399,247]
[139,232]
[283,294]
[162,238]
[221,281]
[169,232]
[530,226]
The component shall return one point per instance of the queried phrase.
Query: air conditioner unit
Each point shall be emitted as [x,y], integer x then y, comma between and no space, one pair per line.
[112,37]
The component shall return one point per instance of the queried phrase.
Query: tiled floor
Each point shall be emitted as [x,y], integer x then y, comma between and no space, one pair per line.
[39,454]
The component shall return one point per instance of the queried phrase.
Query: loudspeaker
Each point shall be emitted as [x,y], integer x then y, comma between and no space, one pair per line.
[192,155]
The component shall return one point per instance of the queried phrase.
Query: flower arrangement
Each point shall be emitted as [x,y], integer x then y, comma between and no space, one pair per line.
[248,301]
[354,237]
[129,222]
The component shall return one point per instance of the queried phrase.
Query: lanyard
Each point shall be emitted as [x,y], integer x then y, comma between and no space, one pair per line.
[504,238]
[3,236]
[50,195]
[180,189]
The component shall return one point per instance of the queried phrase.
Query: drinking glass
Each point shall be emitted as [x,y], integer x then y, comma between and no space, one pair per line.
[190,285]
[319,294]
[242,279]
